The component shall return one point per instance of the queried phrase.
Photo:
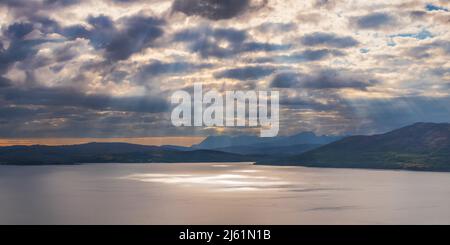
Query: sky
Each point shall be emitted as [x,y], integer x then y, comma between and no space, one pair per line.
[100,69]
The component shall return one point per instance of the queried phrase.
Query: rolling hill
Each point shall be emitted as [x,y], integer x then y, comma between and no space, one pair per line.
[109,153]
[269,150]
[421,146]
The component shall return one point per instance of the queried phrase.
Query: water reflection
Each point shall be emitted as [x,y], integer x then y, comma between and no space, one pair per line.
[219,193]
[217,182]
[221,166]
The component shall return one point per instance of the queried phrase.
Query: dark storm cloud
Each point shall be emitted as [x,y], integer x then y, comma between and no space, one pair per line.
[73,122]
[17,112]
[23,50]
[19,48]
[28,8]
[4,82]
[426,50]
[44,24]
[443,45]
[270,27]
[158,68]
[307,103]
[374,21]
[441,71]
[18,30]
[134,34]
[13,3]
[325,4]
[328,40]
[245,73]
[314,55]
[45,96]
[205,41]
[417,14]
[125,1]
[60,2]
[265,47]
[308,55]
[138,34]
[33,14]
[322,79]
[285,80]
[46,3]
[211,9]
[76,31]
[419,52]
[56,59]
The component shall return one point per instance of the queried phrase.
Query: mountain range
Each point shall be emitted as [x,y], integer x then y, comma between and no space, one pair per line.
[253,145]
[215,142]
[421,146]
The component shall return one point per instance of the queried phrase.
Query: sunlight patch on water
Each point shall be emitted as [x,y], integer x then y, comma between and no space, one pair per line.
[221,166]
[246,171]
[215,182]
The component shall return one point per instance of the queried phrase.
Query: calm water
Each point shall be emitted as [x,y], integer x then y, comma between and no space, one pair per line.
[220,194]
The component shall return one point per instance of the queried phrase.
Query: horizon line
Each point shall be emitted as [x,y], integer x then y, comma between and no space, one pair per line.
[186,141]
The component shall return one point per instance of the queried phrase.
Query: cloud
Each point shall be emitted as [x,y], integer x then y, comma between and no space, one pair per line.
[308,55]
[213,9]
[204,41]
[31,7]
[245,73]
[423,34]
[306,103]
[271,27]
[286,80]
[388,114]
[417,14]
[60,3]
[46,96]
[68,67]
[432,7]
[222,42]
[374,21]
[328,4]
[134,34]
[138,33]
[441,72]
[231,35]
[19,48]
[19,30]
[427,50]
[330,40]
[157,68]
[4,82]
[43,3]
[322,79]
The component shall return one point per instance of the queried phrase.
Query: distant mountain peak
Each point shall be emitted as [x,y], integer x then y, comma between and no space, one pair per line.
[306,133]
[223,141]
[420,146]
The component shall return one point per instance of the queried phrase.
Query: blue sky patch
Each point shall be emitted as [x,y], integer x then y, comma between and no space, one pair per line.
[432,7]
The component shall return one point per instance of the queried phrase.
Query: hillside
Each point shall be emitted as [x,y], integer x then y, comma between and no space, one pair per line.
[421,146]
[109,153]
[269,150]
